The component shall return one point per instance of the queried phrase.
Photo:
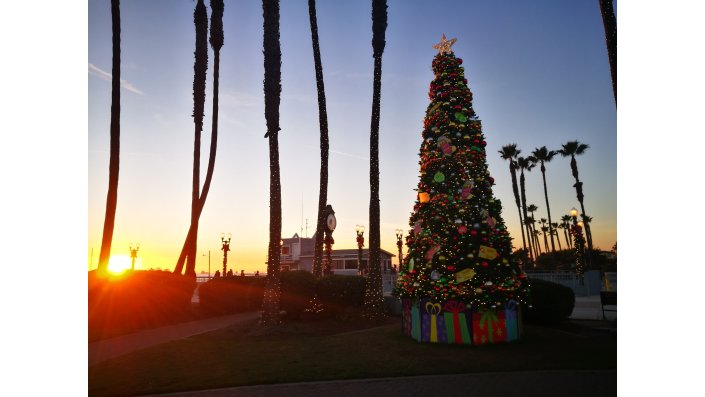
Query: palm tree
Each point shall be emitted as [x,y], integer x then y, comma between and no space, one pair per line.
[373,287]
[566,219]
[542,155]
[545,229]
[533,208]
[216,40]
[610,24]
[272,98]
[114,166]
[510,152]
[537,233]
[572,149]
[525,164]
[556,226]
[323,121]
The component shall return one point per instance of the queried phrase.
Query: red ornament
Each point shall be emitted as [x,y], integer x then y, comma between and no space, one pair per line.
[484,264]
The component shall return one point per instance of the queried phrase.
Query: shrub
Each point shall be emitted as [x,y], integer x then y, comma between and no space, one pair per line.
[551,302]
[297,289]
[337,293]
[137,300]
[226,295]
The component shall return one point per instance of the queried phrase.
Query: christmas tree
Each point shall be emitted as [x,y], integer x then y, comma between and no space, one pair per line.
[459,249]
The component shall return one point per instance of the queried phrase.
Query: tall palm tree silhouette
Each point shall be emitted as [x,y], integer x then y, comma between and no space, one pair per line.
[272,98]
[572,149]
[323,122]
[373,287]
[556,226]
[114,166]
[510,153]
[566,219]
[216,40]
[525,163]
[542,156]
[532,221]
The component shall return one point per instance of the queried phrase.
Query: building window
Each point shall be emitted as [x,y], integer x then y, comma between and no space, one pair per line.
[285,250]
[351,264]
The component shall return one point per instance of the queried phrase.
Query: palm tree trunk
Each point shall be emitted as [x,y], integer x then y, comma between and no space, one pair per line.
[323,122]
[567,237]
[515,189]
[545,241]
[373,286]
[114,166]
[579,193]
[200,67]
[522,181]
[610,23]
[548,207]
[559,241]
[272,97]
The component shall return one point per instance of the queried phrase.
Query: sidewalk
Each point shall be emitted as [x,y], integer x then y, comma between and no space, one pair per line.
[110,348]
[526,384]
[589,308]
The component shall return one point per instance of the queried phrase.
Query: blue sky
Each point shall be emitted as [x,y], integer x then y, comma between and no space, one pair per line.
[538,72]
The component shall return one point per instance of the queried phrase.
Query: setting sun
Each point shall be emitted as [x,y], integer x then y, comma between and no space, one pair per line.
[119,263]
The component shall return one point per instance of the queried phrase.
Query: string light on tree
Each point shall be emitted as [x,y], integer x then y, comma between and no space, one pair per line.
[459,253]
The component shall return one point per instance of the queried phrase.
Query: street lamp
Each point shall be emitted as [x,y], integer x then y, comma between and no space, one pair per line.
[400,234]
[360,231]
[133,253]
[225,248]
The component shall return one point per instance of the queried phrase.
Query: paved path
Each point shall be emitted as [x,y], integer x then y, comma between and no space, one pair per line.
[525,384]
[588,308]
[110,348]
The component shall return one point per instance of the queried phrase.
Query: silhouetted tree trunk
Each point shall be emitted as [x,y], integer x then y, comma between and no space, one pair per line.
[272,94]
[373,288]
[610,23]
[529,235]
[114,167]
[216,40]
[323,121]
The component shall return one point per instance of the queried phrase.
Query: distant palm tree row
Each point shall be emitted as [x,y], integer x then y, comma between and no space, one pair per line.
[548,229]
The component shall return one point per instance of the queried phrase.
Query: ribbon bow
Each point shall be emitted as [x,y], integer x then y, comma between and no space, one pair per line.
[433,309]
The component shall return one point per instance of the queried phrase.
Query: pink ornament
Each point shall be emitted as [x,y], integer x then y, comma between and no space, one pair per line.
[462,229]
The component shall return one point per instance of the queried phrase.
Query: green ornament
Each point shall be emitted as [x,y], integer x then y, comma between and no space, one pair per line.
[411,264]
[460,117]
[439,177]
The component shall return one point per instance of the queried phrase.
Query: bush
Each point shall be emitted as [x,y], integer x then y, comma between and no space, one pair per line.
[551,302]
[227,295]
[297,289]
[137,300]
[337,293]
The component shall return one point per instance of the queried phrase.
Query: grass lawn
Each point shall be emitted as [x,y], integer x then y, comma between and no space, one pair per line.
[328,350]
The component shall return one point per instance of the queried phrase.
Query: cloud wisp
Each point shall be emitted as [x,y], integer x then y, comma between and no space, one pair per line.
[96,71]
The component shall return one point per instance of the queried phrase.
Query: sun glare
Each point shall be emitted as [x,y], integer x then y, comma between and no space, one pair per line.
[119,263]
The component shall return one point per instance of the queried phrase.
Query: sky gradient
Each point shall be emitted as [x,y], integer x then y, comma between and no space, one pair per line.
[538,72]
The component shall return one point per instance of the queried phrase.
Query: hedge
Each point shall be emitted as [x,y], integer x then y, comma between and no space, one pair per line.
[550,302]
[137,300]
[235,294]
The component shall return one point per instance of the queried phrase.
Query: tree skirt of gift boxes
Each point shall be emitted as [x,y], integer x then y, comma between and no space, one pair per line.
[454,322]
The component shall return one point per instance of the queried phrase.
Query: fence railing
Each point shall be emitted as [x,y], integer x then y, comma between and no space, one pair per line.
[590,285]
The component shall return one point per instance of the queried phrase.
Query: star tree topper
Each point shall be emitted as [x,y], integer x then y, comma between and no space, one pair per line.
[444,46]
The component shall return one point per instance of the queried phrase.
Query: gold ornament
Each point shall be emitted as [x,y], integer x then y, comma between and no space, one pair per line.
[444,46]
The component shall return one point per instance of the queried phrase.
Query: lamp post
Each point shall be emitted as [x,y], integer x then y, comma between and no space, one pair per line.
[225,248]
[360,231]
[579,243]
[209,264]
[400,234]
[133,253]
